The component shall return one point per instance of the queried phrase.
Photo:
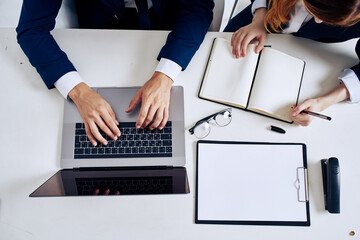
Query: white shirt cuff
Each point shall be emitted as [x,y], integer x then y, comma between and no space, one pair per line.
[169,68]
[67,82]
[258,4]
[351,82]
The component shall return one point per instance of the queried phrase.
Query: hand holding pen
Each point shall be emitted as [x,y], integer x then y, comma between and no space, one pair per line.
[319,104]
[303,116]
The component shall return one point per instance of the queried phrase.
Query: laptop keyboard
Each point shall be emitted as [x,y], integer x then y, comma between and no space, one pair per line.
[124,186]
[132,143]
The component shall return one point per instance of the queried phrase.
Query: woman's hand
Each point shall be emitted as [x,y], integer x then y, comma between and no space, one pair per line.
[303,119]
[318,104]
[255,30]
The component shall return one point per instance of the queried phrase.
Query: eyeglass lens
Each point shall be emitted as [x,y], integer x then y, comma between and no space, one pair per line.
[202,130]
[221,119]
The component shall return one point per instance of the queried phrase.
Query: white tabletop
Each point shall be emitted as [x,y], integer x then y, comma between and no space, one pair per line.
[30,142]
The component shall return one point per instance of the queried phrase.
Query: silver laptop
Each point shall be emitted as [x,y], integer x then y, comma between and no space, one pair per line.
[138,156]
[119,99]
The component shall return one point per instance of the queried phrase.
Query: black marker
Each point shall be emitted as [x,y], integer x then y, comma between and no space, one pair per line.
[277,129]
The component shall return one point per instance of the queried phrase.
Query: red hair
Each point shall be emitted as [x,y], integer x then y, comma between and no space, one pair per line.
[334,12]
[278,14]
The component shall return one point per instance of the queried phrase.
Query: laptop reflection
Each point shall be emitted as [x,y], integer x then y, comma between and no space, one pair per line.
[106,182]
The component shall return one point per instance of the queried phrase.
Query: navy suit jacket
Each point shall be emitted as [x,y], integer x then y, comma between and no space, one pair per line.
[329,34]
[37,19]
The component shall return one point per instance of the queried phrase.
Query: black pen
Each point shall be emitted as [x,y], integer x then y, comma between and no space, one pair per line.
[316,114]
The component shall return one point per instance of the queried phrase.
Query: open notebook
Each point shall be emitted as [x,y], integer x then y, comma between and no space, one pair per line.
[267,83]
[251,183]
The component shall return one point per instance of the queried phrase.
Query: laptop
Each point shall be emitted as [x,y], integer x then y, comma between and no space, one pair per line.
[141,161]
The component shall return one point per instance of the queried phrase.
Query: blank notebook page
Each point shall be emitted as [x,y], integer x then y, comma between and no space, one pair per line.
[277,83]
[229,79]
[245,182]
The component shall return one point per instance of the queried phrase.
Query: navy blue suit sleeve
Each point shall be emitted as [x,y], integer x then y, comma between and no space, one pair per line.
[189,31]
[37,19]
[356,68]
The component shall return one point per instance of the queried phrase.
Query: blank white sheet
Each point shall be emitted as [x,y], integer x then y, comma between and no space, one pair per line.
[247,182]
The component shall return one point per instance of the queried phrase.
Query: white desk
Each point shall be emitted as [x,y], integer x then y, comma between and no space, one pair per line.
[31,116]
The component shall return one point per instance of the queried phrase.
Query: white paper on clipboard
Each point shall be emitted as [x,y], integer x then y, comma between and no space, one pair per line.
[252,183]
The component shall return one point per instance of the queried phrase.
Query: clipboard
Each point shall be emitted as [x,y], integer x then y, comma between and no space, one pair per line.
[251,183]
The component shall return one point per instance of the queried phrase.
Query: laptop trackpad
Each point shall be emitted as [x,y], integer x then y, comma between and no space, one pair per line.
[119,100]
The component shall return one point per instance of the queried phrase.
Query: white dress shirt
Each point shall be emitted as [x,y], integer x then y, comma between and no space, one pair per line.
[69,80]
[132,4]
[298,17]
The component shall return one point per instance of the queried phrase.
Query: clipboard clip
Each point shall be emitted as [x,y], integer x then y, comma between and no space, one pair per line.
[304,172]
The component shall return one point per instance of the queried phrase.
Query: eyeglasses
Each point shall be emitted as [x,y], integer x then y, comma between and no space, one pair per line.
[202,128]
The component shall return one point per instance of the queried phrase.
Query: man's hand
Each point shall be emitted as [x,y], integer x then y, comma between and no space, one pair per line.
[95,112]
[155,97]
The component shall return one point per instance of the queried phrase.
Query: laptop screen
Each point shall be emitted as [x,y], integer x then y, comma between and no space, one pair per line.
[135,181]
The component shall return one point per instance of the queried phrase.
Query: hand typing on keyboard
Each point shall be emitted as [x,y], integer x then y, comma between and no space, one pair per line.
[133,143]
[155,99]
[95,112]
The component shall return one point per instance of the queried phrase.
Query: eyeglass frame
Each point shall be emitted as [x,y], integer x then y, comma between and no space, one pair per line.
[208,118]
